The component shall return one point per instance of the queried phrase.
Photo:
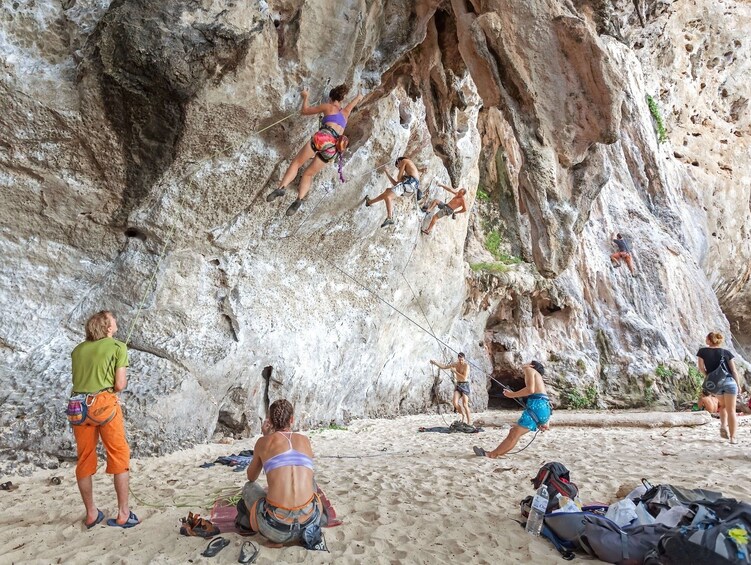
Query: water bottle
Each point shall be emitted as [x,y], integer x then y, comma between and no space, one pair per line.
[537,512]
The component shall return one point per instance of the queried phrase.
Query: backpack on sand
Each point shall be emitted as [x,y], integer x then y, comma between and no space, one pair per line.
[556,477]
[721,537]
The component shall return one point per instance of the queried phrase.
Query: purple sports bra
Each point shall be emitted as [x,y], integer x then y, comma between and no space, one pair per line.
[337,119]
[290,458]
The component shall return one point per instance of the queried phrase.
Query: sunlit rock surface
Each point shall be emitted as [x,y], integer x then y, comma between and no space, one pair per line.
[132,174]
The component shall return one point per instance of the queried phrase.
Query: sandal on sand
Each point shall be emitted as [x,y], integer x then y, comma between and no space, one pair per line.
[8,486]
[129,523]
[215,546]
[99,518]
[248,552]
[479,451]
[275,194]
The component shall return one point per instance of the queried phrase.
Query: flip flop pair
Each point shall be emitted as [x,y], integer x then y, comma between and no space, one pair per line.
[129,523]
[8,486]
[99,518]
[215,546]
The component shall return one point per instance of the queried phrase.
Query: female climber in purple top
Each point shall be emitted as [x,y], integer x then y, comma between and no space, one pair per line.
[322,146]
[291,509]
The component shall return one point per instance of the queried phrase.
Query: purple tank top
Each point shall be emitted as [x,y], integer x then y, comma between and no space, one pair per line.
[290,458]
[337,119]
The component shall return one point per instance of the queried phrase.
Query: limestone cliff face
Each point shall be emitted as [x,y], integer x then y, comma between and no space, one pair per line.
[138,142]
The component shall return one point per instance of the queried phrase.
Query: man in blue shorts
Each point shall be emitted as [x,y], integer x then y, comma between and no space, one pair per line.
[536,413]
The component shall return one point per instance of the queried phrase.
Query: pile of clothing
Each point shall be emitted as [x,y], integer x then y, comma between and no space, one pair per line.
[654,525]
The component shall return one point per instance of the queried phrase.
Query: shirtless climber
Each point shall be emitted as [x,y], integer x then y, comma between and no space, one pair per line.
[407,181]
[536,413]
[457,205]
[460,369]
[624,252]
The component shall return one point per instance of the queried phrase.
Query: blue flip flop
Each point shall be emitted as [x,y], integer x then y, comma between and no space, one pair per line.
[132,521]
[99,518]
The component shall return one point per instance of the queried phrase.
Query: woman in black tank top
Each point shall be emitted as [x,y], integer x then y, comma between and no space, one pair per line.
[710,358]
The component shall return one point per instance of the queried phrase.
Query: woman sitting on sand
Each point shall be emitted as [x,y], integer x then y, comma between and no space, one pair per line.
[290,511]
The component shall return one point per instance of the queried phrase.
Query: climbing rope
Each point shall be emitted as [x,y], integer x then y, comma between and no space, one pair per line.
[192,500]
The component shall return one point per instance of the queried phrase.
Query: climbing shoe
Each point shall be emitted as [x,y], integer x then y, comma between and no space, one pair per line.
[424,209]
[419,195]
[367,201]
[276,194]
[387,222]
[294,207]
[194,525]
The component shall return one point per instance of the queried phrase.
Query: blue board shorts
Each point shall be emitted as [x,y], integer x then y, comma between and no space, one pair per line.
[537,412]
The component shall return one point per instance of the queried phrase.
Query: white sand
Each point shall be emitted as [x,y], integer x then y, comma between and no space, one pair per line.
[413,497]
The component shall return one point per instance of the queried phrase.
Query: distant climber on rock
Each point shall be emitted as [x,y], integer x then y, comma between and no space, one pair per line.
[407,181]
[457,205]
[460,369]
[624,252]
[536,413]
[325,145]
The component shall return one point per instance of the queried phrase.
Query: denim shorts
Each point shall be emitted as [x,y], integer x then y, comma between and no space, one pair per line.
[728,386]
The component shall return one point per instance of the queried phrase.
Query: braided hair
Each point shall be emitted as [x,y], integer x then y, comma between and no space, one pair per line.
[280,414]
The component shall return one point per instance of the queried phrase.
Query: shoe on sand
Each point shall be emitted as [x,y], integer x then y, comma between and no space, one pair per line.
[99,518]
[215,546]
[248,552]
[129,523]
[387,222]
[479,451]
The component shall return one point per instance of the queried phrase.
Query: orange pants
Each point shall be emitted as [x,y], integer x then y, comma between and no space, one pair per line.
[112,434]
[626,256]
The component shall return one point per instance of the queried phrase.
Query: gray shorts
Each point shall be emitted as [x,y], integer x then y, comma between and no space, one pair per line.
[445,210]
[462,388]
[407,185]
[280,525]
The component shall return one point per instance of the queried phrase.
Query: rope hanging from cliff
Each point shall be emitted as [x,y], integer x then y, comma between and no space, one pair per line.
[439,340]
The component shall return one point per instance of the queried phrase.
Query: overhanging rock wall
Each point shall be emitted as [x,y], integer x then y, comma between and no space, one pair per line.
[128,154]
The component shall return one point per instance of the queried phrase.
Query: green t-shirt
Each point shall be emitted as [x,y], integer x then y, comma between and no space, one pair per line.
[95,362]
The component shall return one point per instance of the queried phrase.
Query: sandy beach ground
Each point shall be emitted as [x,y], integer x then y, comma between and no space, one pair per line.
[404,496]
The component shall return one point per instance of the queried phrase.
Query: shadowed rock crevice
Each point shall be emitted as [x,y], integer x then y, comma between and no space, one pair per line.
[151,60]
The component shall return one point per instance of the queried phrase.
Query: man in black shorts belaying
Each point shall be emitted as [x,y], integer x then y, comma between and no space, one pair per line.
[460,369]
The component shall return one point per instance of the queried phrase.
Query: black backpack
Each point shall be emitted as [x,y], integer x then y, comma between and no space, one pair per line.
[722,538]
[556,477]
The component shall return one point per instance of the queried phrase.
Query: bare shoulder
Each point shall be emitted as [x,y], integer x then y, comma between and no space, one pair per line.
[302,442]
